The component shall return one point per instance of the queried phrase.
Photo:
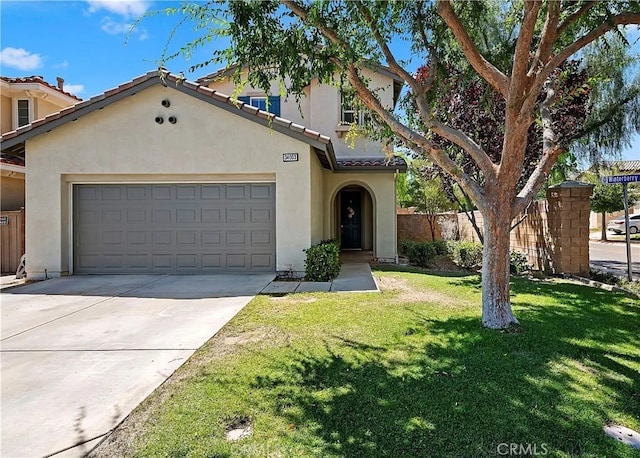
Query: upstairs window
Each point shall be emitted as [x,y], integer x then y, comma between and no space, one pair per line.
[351,112]
[24,112]
[261,103]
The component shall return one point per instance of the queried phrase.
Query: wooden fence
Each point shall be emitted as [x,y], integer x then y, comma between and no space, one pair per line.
[11,240]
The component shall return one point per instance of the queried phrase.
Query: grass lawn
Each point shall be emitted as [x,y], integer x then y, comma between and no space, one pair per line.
[409,372]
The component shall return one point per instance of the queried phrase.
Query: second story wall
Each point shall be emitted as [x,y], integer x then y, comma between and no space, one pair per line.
[321,109]
[6,117]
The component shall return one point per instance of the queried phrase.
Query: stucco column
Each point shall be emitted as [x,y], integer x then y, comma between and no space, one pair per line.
[568,219]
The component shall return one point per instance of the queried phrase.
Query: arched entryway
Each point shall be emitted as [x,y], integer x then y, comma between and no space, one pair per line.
[354,216]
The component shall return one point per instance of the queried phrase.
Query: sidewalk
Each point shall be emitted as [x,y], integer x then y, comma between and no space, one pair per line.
[353,277]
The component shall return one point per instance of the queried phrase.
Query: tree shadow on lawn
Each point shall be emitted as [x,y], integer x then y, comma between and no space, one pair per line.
[451,388]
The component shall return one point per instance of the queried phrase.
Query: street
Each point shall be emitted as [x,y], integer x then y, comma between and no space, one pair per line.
[612,257]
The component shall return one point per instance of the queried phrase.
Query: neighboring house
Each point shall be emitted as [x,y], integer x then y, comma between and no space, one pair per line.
[23,100]
[162,175]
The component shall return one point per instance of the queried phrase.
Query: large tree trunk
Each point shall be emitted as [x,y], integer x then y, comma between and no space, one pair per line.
[496,303]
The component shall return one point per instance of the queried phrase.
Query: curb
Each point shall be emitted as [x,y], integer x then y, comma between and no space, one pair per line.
[600,285]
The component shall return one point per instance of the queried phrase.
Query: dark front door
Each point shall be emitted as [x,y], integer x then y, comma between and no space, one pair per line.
[351,219]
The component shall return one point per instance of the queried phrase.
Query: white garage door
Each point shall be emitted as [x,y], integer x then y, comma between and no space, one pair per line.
[174,228]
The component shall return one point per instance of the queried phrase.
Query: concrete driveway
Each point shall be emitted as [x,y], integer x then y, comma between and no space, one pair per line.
[80,353]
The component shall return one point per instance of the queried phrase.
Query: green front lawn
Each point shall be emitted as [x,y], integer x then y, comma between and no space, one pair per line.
[409,372]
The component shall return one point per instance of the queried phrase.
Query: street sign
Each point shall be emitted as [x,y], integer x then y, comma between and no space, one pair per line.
[624,180]
[621,179]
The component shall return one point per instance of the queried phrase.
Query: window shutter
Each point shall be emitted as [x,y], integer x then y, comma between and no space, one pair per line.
[243,99]
[274,105]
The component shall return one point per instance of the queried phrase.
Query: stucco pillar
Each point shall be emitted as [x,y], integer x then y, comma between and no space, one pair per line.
[568,219]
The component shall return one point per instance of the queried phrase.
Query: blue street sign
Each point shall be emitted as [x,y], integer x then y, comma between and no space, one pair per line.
[621,179]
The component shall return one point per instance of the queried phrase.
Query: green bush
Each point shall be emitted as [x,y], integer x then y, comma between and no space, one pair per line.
[518,262]
[468,255]
[421,253]
[405,246]
[441,247]
[322,261]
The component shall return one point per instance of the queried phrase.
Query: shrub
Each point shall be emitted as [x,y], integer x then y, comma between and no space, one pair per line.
[405,246]
[518,262]
[468,255]
[441,247]
[322,261]
[422,253]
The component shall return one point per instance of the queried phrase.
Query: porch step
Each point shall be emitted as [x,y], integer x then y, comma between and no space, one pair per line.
[348,257]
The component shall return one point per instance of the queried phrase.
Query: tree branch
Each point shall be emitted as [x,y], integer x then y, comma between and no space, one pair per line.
[412,138]
[498,80]
[388,55]
[574,17]
[548,36]
[465,142]
[550,152]
[522,52]
[562,56]
[408,135]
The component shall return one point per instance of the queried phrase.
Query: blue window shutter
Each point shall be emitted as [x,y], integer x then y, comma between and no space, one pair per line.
[243,99]
[274,105]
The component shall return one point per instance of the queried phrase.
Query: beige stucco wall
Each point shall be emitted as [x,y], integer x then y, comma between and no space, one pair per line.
[381,187]
[6,111]
[42,108]
[11,193]
[123,143]
[317,200]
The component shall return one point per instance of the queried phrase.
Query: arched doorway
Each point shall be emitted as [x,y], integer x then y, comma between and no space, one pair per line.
[354,215]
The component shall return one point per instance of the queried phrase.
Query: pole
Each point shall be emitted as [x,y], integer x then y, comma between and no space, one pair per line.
[627,227]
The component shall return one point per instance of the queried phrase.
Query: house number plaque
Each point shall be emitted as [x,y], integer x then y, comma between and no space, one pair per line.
[4,220]
[290,157]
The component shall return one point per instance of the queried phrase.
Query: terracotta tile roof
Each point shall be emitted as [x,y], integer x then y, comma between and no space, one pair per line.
[12,141]
[623,166]
[39,80]
[372,163]
[11,159]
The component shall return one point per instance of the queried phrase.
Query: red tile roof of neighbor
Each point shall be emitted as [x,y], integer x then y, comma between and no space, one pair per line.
[11,159]
[39,80]
[321,143]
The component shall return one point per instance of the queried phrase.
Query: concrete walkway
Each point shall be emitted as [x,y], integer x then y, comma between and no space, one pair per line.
[354,277]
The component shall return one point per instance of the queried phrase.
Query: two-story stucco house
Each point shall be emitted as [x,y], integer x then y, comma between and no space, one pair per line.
[162,175]
[23,100]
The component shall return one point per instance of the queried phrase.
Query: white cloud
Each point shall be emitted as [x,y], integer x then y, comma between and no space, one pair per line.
[63,64]
[128,9]
[74,89]
[20,58]
[114,28]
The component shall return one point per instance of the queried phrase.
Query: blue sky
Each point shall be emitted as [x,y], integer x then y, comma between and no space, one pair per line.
[84,42]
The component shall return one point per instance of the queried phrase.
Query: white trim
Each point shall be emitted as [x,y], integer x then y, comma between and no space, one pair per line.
[62,100]
[70,268]
[12,168]
[167,179]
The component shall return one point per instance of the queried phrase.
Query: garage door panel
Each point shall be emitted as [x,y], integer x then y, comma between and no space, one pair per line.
[167,228]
